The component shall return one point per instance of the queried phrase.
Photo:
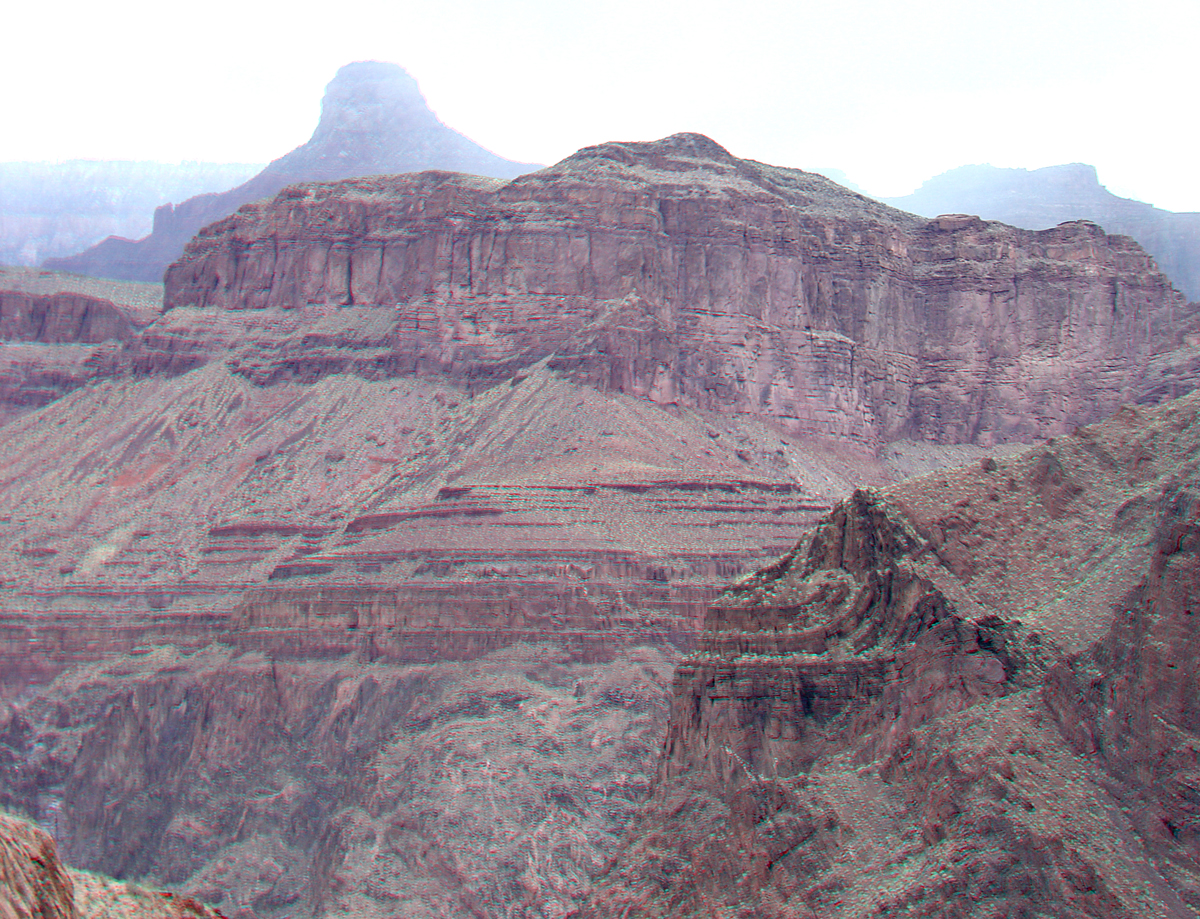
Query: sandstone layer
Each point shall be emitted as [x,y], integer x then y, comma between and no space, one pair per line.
[676,272]
[373,120]
[969,694]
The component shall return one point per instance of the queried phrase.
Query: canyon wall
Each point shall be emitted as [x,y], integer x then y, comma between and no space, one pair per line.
[681,274]
[59,332]
[1037,198]
[352,580]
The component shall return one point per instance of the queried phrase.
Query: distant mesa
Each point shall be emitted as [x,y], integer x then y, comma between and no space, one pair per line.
[374,121]
[1037,199]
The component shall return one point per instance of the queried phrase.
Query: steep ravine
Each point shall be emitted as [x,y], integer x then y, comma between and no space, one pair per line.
[497,787]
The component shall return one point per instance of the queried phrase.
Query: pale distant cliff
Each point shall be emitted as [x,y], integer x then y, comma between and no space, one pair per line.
[374,121]
[1040,198]
[50,210]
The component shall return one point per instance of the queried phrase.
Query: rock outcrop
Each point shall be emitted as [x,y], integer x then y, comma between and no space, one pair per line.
[494,787]
[676,272]
[32,880]
[34,884]
[374,120]
[401,512]
[970,691]
[58,332]
[1039,198]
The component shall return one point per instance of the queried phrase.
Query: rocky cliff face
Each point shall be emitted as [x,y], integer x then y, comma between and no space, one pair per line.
[409,501]
[970,690]
[1037,198]
[676,272]
[374,120]
[284,788]
[34,884]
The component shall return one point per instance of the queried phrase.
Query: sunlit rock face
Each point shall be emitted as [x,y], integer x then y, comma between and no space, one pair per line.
[967,692]
[35,883]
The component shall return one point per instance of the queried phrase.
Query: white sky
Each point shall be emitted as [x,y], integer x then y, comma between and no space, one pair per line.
[890,92]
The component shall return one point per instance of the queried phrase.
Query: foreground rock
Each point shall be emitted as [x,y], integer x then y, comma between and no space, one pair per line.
[970,692]
[374,120]
[34,883]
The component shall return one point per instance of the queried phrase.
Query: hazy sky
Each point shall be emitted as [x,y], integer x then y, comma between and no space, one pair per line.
[889,92]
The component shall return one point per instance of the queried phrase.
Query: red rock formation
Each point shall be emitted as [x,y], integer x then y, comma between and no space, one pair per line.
[970,691]
[374,120]
[425,524]
[63,318]
[58,333]
[32,880]
[284,788]
[471,415]
[676,272]
[34,884]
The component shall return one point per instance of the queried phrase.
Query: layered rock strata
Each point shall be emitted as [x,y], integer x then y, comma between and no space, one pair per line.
[968,692]
[676,272]
[58,332]
[395,520]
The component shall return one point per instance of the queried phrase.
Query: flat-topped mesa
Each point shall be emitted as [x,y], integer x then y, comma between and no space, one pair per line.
[675,271]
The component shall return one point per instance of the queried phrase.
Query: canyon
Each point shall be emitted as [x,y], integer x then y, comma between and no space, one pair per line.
[347,571]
